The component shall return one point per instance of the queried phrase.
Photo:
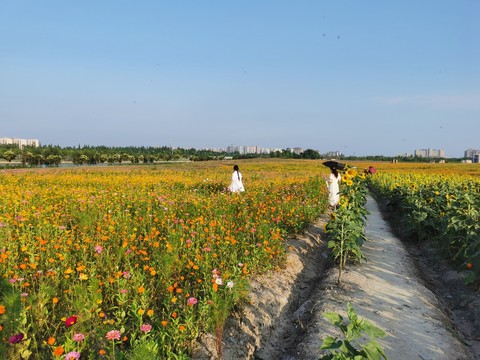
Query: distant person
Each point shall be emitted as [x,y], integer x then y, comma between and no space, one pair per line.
[333,181]
[236,184]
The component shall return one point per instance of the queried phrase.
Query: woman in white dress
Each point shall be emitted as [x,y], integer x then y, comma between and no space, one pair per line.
[333,188]
[236,184]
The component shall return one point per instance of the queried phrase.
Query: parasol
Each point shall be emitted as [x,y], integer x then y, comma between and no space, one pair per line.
[334,165]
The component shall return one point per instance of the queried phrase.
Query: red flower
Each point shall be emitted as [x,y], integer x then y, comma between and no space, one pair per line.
[469,265]
[15,339]
[72,320]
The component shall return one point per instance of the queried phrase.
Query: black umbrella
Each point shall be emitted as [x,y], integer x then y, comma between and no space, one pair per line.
[334,164]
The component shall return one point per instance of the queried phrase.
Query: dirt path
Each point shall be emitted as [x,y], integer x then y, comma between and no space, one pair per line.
[284,320]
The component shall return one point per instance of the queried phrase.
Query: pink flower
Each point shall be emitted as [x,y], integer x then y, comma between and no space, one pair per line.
[78,337]
[123,291]
[98,249]
[15,339]
[113,335]
[72,355]
[146,328]
[192,301]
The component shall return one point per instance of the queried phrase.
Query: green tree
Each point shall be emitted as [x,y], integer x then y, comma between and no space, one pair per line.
[9,155]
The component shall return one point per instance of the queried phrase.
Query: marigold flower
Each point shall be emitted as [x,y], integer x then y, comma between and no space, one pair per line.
[2,309]
[59,350]
[51,340]
[72,320]
[113,335]
[141,290]
[55,300]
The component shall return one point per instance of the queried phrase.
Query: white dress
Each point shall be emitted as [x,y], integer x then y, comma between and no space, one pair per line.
[333,189]
[236,184]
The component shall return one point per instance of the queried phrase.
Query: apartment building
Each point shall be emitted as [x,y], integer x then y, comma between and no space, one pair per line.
[19,142]
[430,153]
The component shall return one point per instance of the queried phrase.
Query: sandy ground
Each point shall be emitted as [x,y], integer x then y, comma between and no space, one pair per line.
[284,319]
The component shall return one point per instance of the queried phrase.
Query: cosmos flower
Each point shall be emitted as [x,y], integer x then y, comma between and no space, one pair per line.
[72,320]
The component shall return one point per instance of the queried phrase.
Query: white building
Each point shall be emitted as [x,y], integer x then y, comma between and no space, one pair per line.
[472,154]
[20,142]
[430,153]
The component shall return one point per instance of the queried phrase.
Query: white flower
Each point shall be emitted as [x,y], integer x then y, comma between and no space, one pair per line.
[230,284]
[219,281]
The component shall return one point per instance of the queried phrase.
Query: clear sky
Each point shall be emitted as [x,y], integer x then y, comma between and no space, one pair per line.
[365,77]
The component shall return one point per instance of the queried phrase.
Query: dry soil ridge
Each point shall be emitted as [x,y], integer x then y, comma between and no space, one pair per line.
[284,320]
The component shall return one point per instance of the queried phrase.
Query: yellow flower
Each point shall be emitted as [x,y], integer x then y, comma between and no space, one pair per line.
[83,276]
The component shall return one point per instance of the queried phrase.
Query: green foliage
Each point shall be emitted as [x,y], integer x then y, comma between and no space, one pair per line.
[441,209]
[353,346]
[345,230]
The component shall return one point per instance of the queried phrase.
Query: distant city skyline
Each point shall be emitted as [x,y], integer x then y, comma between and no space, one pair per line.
[255,149]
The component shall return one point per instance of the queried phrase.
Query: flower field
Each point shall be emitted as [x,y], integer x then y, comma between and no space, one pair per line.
[443,207]
[135,262]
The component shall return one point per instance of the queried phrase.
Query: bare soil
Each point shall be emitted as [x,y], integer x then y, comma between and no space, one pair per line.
[418,299]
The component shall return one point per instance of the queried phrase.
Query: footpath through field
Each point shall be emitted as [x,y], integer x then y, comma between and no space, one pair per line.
[285,319]
[388,291]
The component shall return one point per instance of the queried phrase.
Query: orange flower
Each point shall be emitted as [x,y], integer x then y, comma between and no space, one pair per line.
[164,322]
[141,290]
[101,352]
[182,328]
[2,309]
[469,265]
[58,351]
[150,312]
[55,300]
[51,341]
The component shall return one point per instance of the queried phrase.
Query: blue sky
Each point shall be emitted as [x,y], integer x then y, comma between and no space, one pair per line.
[362,77]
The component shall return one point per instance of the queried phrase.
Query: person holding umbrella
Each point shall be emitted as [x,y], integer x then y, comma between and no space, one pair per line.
[333,181]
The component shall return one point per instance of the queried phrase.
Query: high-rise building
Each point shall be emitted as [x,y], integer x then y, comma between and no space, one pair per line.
[471,154]
[430,153]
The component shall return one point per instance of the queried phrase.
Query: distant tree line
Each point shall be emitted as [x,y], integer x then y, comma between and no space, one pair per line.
[51,155]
